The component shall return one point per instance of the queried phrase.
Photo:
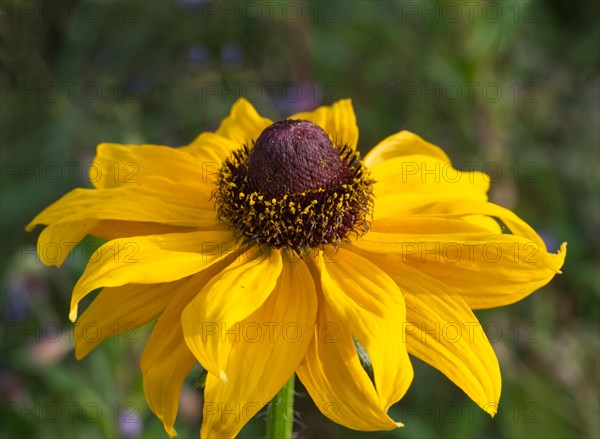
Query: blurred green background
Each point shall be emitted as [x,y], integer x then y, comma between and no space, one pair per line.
[511,88]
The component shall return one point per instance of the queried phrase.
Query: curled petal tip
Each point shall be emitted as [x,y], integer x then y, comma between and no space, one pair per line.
[491,408]
[562,251]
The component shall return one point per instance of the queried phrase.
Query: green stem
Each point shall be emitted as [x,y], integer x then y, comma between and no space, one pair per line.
[280,422]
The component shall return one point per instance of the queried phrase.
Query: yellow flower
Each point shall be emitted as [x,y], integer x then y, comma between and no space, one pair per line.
[250,245]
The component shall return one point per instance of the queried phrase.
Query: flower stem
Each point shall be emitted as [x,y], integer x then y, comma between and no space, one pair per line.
[280,423]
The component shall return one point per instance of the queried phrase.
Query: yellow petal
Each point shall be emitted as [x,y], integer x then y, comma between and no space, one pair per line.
[335,379]
[442,331]
[227,299]
[418,214]
[150,259]
[371,305]
[338,120]
[119,310]
[516,225]
[426,224]
[461,351]
[156,201]
[484,222]
[167,360]
[244,124]
[463,209]
[427,176]
[116,165]
[486,270]
[108,230]
[260,354]
[402,144]
[57,241]
[211,149]
[392,205]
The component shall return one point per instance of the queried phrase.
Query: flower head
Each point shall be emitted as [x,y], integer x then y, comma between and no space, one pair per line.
[294,189]
[250,245]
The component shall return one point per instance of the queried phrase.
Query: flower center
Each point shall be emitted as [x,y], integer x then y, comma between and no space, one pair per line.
[294,188]
[293,156]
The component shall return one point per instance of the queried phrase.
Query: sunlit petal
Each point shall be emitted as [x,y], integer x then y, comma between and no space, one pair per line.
[275,337]
[167,360]
[370,303]
[335,379]
[402,144]
[227,299]
[244,124]
[119,310]
[442,330]
[150,259]
[338,120]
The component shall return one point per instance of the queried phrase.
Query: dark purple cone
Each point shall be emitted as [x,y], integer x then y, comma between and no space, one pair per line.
[293,156]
